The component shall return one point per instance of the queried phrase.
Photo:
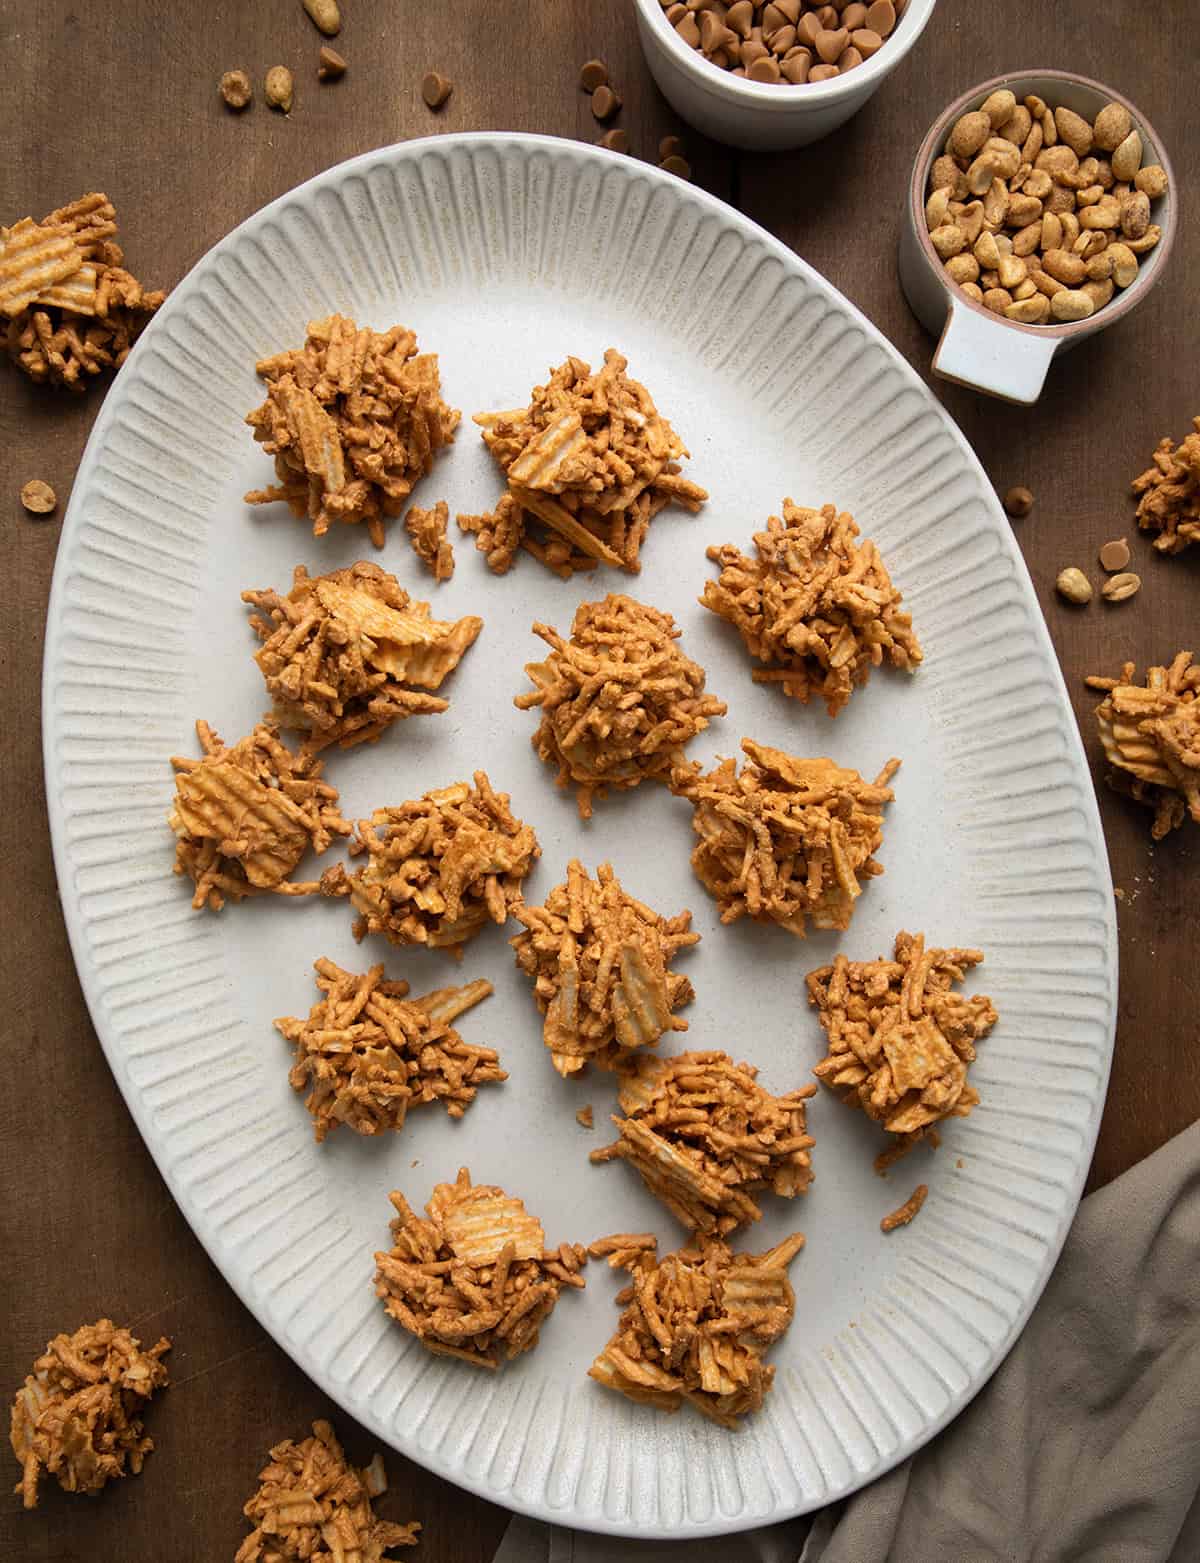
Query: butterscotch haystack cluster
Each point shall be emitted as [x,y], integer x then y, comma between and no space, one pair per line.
[72,310]
[312,1505]
[439,867]
[704,1134]
[427,533]
[347,654]
[619,700]
[353,419]
[244,816]
[475,1280]
[697,1324]
[77,1417]
[899,1040]
[1169,493]
[787,840]
[367,1053]
[1151,736]
[588,464]
[600,962]
[817,609]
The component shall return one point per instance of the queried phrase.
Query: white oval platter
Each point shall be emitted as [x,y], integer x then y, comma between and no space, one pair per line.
[505,253]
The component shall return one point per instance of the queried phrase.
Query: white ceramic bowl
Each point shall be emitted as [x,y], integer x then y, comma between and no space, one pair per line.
[978,348]
[763,115]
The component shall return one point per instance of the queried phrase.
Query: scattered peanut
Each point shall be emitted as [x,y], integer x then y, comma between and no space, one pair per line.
[785,42]
[236,89]
[38,497]
[325,15]
[330,64]
[1114,555]
[1035,197]
[1119,588]
[1073,585]
[278,89]
[435,89]
[1018,502]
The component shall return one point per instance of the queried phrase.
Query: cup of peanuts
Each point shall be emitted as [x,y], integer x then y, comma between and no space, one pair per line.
[1041,209]
[769,74]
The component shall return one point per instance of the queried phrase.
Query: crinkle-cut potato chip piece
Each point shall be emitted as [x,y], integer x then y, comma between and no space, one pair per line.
[899,1040]
[367,1052]
[353,419]
[817,609]
[787,840]
[74,311]
[697,1325]
[439,867]
[474,1280]
[702,1133]
[600,963]
[245,815]
[345,655]
[1169,493]
[588,464]
[77,1417]
[33,257]
[313,1506]
[619,700]
[1151,737]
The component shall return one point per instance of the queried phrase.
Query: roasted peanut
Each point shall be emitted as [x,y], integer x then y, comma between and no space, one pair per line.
[1027,239]
[1052,231]
[1033,311]
[325,15]
[1073,585]
[1098,291]
[973,291]
[1151,180]
[1113,124]
[1074,130]
[1124,264]
[997,300]
[962,268]
[1147,241]
[1072,304]
[1135,214]
[998,107]
[1119,588]
[1099,267]
[1127,158]
[969,134]
[278,88]
[948,240]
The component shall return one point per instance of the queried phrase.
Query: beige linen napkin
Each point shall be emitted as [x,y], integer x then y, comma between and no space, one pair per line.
[1083,1448]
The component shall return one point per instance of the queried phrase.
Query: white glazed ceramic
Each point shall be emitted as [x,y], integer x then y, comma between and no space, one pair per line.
[505,253]
[763,115]
[978,348]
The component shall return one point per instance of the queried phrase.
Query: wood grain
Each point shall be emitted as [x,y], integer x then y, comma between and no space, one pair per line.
[123,98]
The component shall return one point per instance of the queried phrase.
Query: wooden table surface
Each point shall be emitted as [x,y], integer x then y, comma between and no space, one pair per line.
[123,99]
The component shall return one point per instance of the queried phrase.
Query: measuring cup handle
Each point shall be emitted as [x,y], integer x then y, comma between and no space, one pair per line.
[990,354]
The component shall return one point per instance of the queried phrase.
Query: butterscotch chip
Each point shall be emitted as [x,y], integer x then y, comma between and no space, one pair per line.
[245,816]
[899,1040]
[427,533]
[74,311]
[697,1325]
[345,655]
[787,840]
[1151,737]
[677,165]
[619,700]
[353,419]
[475,1280]
[605,102]
[593,74]
[435,89]
[38,497]
[906,1212]
[1169,494]
[439,868]
[615,140]
[600,961]
[312,1504]
[703,1134]
[817,609]
[670,146]
[77,1417]
[330,64]
[1114,555]
[367,1053]
[589,462]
